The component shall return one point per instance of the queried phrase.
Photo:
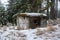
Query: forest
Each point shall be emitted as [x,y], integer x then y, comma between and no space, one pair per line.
[13,7]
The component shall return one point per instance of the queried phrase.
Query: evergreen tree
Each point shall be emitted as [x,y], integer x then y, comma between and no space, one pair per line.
[3,16]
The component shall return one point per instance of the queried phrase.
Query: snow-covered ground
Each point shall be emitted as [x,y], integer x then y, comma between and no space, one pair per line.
[30,34]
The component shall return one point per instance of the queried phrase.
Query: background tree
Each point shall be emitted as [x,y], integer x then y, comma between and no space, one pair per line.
[13,8]
[48,10]
[3,15]
[53,12]
[56,8]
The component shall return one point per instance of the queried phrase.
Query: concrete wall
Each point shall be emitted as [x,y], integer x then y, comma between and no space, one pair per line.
[23,22]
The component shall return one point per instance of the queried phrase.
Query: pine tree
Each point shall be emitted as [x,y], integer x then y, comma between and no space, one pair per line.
[3,16]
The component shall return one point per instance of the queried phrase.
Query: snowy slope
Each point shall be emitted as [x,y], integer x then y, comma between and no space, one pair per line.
[30,34]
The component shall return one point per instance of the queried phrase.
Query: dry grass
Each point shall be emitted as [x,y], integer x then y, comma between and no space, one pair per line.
[54,22]
[17,28]
[50,27]
[22,38]
[39,32]
[21,28]
[19,34]
[58,21]
[59,25]
[4,28]
[50,21]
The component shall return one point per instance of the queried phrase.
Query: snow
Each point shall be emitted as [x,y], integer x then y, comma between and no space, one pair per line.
[30,34]
[30,14]
[34,14]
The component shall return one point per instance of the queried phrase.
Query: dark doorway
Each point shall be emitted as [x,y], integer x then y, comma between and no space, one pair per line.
[34,22]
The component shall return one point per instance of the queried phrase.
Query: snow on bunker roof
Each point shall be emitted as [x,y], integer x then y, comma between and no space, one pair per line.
[34,14]
[30,14]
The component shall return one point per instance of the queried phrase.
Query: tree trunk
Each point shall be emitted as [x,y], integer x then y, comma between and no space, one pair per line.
[52,12]
[47,10]
[56,8]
